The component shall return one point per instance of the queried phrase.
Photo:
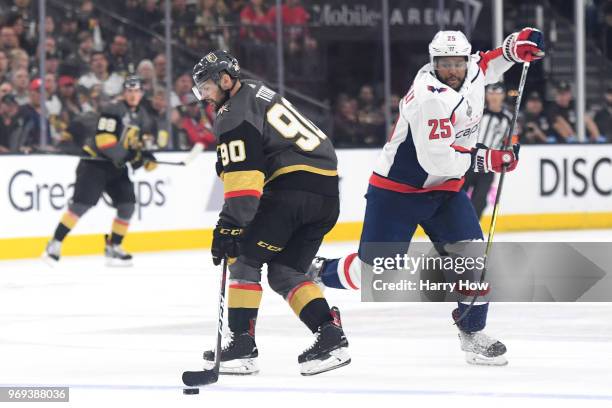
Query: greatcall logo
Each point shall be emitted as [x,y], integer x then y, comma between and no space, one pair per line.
[575,177]
[27,193]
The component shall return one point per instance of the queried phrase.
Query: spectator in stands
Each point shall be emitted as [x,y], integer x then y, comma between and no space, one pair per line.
[50,45]
[11,124]
[19,59]
[533,122]
[347,132]
[182,87]
[30,138]
[370,117]
[86,16]
[562,116]
[150,14]
[146,72]
[118,58]
[71,106]
[181,13]
[255,22]
[77,63]
[49,26]
[111,83]
[603,117]
[4,67]
[295,19]
[52,63]
[198,122]
[53,104]
[25,39]
[159,63]
[211,17]
[6,88]
[157,108]
[8,39]
[394,107]
[21,80]
[67,36]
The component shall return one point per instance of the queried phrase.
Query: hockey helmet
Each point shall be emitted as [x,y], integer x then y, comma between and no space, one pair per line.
[211,66]
[449,44]
[132,82]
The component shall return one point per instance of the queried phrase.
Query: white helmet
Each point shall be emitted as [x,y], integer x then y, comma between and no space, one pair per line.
[449,44]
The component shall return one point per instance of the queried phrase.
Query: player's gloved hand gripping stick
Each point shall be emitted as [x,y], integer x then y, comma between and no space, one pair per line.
[205,377]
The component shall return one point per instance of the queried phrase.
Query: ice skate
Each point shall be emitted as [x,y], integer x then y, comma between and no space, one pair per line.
[238,357]
[481,349]
[115,255]
[329,350]
[51,256]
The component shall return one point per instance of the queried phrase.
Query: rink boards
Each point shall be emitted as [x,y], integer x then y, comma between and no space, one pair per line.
[554,187]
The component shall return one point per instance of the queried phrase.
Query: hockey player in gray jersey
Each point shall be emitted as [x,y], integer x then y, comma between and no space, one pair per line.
[280,182]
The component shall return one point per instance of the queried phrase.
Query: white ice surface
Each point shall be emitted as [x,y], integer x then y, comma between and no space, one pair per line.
[124,336]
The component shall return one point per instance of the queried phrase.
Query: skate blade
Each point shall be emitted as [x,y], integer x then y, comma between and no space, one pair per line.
[478,359]
[49,261]
[241,366]
[118,263]
[336,359]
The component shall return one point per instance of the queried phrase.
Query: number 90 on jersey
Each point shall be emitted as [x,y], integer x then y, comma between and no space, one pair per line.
[290,124]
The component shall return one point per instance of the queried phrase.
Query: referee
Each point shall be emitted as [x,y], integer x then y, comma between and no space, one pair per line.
[494,126]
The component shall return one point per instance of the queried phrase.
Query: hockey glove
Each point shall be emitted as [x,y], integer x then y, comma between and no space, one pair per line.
[485,160]
[526,45]
[225,242]
[149,161]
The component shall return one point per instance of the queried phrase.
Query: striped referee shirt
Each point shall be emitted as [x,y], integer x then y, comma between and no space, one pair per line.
[494,126]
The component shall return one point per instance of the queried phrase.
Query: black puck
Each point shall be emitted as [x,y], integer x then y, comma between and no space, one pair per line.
[191,391]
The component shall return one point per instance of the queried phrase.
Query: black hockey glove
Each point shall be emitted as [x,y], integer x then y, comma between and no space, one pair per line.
[225,242]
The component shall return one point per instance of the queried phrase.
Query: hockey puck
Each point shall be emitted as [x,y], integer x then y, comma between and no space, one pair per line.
[191,391]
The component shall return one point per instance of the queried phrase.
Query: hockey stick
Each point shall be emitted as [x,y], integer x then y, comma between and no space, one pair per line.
[193,154]
[205,377]
[500,185]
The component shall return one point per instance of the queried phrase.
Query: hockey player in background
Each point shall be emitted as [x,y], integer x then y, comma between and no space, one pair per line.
[494,127]
[280,181]
[116,141]
[419,174]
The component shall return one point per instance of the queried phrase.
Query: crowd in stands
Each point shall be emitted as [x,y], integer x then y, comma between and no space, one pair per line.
[90,49]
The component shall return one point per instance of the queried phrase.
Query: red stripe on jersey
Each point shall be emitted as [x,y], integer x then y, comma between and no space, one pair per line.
[242,193]
[486,57]
[246,286]
[461,149]
[347,264]
[122,222]
[386,184]
[469,292]
[107,145]
[295,289]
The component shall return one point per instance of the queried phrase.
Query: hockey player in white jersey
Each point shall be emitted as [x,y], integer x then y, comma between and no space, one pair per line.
[418,177]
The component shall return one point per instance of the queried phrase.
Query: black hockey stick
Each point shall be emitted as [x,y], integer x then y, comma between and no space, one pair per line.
[193,154]
[500,185]
[205,377]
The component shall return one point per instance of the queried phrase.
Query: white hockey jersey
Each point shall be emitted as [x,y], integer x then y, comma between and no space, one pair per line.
[429,148]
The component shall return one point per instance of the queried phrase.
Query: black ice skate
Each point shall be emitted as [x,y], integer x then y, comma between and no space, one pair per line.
[315,269]
[115,255]
[238,357]
[329,350]
[52,252]
[481,349]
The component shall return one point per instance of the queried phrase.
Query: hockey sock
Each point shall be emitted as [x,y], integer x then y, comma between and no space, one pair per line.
[119,230]
[307,301]
[67,223]
[243,304]
[343,273]
[475,320]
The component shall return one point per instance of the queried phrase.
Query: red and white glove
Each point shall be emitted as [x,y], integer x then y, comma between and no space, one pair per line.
[485,160]
[525,46]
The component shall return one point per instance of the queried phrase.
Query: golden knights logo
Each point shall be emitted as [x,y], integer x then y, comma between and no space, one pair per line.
[211,57]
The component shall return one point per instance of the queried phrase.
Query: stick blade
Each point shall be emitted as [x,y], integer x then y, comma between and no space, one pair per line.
[193,154]
[197,378]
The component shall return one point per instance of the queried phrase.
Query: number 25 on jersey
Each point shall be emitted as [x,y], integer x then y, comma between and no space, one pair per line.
[439,128]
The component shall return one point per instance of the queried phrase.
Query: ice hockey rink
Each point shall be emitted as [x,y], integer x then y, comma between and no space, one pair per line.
[124,336]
